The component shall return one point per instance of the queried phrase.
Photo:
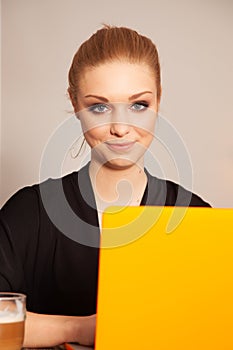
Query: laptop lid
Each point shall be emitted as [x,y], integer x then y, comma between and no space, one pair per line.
[166,279]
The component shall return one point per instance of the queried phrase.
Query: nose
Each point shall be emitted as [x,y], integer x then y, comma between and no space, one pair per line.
[119,129]
[119,123]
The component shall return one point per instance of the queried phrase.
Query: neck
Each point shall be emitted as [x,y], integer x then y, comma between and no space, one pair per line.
[117,186]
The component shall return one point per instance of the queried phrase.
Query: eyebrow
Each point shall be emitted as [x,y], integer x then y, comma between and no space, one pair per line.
[101,98]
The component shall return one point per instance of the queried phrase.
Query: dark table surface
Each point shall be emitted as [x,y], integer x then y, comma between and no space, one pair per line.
[62,347]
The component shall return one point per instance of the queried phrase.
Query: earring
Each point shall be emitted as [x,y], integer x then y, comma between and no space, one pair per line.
[78,147]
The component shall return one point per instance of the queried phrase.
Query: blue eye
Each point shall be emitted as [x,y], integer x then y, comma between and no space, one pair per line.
[139,106]
[98,108]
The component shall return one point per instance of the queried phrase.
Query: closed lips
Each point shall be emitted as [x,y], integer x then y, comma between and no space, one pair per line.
[120,145]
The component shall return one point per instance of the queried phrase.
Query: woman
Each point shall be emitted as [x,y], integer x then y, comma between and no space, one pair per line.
[115,89]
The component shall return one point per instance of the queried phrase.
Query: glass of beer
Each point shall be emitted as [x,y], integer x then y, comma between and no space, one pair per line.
[12,318]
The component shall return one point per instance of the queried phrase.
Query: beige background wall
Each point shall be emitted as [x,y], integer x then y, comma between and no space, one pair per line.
[194,39]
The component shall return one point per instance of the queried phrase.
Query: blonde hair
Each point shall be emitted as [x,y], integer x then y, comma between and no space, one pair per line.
[113,43]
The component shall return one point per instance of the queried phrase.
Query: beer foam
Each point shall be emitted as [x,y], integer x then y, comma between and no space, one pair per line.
[7,316]
[11,317]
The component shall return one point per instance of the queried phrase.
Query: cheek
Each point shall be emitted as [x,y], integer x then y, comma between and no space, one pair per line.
[146,137]
[95,136]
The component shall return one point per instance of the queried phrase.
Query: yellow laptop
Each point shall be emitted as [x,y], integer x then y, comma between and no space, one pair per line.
[166,279]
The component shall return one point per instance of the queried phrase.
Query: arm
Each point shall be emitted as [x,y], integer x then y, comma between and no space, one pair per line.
[20,220]
[50,330]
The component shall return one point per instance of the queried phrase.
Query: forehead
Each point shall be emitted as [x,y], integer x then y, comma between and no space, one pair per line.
[117,77]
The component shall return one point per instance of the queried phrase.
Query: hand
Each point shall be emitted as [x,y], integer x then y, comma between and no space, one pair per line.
[86,330]
[50,330]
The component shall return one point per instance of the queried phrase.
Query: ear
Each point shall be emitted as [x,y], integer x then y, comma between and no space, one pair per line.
[159,95]
[159,98]
[73,99]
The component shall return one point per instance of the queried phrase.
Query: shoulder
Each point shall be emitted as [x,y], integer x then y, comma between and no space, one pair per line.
[173,194]
[28,198]
[23,200]
[183,197]
[36,204]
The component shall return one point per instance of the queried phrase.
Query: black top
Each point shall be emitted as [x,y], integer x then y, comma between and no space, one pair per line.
[49,238]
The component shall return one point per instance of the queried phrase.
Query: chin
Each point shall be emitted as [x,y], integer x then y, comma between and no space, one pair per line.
[118,161]
[120,164]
